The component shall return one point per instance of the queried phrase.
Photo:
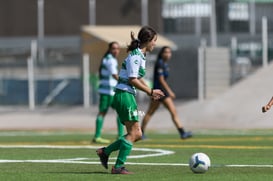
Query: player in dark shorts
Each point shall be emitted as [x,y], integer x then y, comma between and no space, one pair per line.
[161,73]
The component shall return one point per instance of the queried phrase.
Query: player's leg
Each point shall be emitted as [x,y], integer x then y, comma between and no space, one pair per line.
[127,110]
[152,108]
[120,127]
[103,108]
[169,104]
[126,145]
[104,152]
[126,107]
[99,124]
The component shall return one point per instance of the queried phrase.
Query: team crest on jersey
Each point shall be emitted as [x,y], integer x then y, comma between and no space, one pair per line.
[136,61]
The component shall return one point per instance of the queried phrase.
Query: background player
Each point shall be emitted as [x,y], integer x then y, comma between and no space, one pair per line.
[108,76]
[161,73]
[268,105]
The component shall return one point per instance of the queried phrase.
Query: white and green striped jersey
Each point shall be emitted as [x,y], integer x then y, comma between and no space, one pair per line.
[133,66]
[108,68]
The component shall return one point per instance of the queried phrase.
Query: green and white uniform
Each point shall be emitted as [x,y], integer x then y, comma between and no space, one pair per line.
[109,67]
[107,85]
[125,102]
[124,99]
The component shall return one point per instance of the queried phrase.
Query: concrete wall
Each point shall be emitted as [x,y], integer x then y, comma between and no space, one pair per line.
[65,17]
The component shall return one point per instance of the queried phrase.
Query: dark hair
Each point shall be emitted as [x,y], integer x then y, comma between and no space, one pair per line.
[109,48]
[110,45]
[160,53]
[145,35]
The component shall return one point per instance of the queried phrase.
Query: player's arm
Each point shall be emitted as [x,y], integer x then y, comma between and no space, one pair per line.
[268,105]
[141,85]
[115,76]
[112,67]
[166,86]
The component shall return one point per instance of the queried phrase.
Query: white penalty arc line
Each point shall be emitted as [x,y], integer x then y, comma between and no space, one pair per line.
[158,152]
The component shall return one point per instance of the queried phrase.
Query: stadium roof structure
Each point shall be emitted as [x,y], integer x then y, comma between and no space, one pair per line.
[95,41]
[121,34]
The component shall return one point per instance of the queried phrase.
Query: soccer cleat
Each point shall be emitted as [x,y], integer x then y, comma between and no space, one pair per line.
[121,170]
[101,140]
[103,157]
[186,135]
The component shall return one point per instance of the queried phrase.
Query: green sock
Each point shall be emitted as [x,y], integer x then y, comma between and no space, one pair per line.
[112,147]
[125,149]
[99,124]
[120,128]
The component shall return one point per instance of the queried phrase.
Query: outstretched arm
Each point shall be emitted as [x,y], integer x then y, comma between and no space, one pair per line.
[166,86]
[141,85]
[268,105]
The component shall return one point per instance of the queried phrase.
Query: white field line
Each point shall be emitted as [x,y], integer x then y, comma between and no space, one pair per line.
[72,161]
[158,152]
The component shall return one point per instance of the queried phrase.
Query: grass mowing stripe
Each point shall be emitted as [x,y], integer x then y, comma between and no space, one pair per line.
[41,133]
[127,163]
[208,146]
[234,139]
[227,164]
[158,152]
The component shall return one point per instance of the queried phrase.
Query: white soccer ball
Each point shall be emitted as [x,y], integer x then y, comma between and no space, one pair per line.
[199,162]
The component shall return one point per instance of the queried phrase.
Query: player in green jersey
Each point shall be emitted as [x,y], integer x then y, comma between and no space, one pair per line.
[108,76]
[130,78]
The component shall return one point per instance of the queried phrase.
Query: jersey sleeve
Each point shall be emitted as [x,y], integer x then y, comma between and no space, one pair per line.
[133,66]
[113,66]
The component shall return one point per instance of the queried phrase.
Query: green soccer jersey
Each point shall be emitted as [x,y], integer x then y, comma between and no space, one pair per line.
[107,83]
[133,66]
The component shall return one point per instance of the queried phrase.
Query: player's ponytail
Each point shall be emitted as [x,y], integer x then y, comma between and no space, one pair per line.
[135,43]
[145,35]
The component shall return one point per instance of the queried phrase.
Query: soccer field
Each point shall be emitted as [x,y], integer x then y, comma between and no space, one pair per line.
[236,155]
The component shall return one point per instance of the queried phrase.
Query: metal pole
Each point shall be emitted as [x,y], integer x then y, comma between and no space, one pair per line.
[31,88]
[41,33]
[234,45]
[33,49]
[201,73]
[30,66]
[203,43]
[265,41]
[213,30]
[144,12]
[92,12]
[252,18]
[198,25]
[86,86]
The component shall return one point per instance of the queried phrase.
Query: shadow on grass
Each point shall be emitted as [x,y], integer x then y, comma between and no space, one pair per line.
[95,172]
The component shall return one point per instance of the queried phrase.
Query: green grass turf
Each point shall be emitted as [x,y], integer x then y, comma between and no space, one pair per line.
[223,147]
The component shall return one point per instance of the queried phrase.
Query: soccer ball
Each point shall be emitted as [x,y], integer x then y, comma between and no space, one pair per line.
[199,162]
